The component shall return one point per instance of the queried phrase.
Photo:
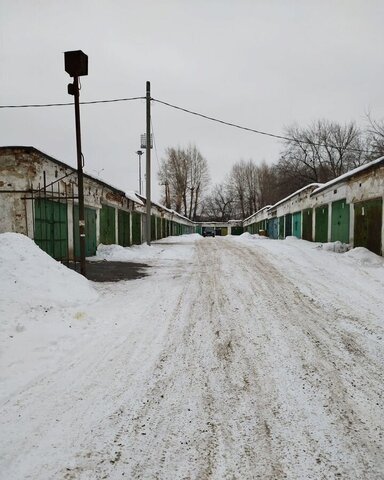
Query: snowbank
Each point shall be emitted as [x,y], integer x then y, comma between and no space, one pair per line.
[31,276]
[364,256]
[157,250]
[187,238]
[116,253]
[255,236]
[337,247]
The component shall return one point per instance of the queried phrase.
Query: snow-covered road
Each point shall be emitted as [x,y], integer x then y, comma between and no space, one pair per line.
[240,359]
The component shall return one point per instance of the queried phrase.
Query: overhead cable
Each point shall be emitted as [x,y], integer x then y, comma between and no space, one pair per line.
[40,105]
[260,132]
[191,112]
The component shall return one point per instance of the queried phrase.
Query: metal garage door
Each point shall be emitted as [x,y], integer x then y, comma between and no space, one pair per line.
[123,228]
[107,225]
[368,224]
[296,224]
[51,227]
[340,221]
[307,224]
[90,231]
[321,224]
[136,228]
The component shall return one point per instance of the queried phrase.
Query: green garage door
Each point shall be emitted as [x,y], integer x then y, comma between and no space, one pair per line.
[340,221]
[237,230]
[51,228]
[296,224]
[136,228]
[321,227]
[163,227]
[368,224]
[90,231]
[123,228]
[153,227]
[107,225]
[281,227]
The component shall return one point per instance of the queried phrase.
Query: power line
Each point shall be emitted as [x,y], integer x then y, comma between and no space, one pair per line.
[42,105]
[280,137]
[260,132]
[191,112]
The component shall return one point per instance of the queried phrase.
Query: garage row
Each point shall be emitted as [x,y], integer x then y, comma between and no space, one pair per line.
[348,209]
[39,198]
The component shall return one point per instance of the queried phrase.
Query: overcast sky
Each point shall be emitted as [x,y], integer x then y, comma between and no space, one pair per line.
[264,64]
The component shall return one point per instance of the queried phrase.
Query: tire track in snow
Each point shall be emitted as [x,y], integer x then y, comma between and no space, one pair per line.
[254,381]
[251,379]
[329,371]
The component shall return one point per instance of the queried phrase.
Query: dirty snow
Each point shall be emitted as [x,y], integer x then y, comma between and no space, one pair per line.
[235,358]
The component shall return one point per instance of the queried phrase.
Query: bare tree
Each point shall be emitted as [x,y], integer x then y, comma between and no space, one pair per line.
[184,173]
[250,186]
[269,190]
[321,152]
[375,137]
[218,205]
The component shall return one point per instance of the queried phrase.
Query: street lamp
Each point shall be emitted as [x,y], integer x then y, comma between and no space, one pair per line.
[140,153]
[76,65]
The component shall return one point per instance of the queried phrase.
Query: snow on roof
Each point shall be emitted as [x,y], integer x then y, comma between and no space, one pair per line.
[97,179]
[314,185]
[132,196]
[258,211]
[349,174]
[162,207]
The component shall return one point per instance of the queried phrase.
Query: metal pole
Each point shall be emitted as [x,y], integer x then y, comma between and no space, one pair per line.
[140,172]
[148,163]
[80,182]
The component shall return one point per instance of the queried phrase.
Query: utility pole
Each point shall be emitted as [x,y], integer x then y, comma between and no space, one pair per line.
[76,65]
[148,163]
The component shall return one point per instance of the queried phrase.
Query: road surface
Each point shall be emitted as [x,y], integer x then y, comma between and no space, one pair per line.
[228,371]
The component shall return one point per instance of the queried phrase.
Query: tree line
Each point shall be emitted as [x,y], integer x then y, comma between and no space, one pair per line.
[315,154]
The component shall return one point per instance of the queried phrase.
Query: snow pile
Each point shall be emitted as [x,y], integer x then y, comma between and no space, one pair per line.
[256,236]
[246,235]
[116,253]
[337,247]
[135,253]
[187,238]
[170,248]
[364,256]
[30,275]
[292,238]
